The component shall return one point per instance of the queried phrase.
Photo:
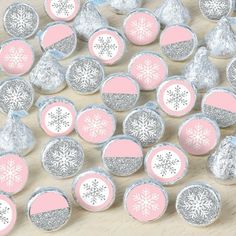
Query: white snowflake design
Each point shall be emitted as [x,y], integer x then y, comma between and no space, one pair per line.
[141,29]
[94,191]
[16,58]
[5,212]
[146,202]
[63,8]
[95,125]
[147,72]
[10,173]
[177,97]
[198,136]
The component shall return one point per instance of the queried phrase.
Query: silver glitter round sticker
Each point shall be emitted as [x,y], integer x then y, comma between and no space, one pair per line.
[125,6]
[21,20]
[120,92]
[145,124]
[49,209]
[16,94]
[215,9]
[62,157]
[199,204]
[231,73]
[85,75]
[122,155]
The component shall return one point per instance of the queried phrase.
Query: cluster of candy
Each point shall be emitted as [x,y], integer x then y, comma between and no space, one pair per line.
[122,155]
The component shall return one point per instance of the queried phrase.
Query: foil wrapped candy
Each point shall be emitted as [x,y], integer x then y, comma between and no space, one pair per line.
[15,136]
[125,6]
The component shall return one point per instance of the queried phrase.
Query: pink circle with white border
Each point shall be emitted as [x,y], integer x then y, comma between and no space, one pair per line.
[69,118]
[158,157]
[148,69]
[136,198]
[141,27]
[16,57]
[13,173]
[114,40]
[95,125]
[198,136]
[91,203]
[52,8]
[176,97]
[11,214]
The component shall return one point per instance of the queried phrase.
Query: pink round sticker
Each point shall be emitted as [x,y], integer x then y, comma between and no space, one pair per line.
[141,27]
[198,135]
[13,173]
[8,214]
[107,44]
[94,190]
[146,200]
[64,10]
[148,69]
[166,163]
[58,118]
[95,124]
[176,96]
[16,57]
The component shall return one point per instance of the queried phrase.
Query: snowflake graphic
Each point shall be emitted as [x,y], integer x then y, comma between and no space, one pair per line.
[198,136]
[16,58]
[4,214]
[95,125]
[146,202]
[10,173]
[63,8]
[94,191]
[176,97]
[147,72]
[141,29]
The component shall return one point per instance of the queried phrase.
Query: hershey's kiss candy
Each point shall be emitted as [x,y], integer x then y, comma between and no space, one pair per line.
[172,12]
[125,6]
[231,73]
[49,209]
[85,75]
[62,157]
[222,163]
[215,9]
[88,21]
[120,92]
[201,71]
[48,76]
[15,136]
[94,190]
[145,124]
[198,204]
[145,200]
[8,214]
[220,105]
[16,94]
[221,40]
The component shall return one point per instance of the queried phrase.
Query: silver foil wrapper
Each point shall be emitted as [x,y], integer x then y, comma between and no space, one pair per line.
[172,12]
[48,76]
[221,40]
[15,136]
[222,163]
[231,73]
[125,6]
[201,71]
[88,21]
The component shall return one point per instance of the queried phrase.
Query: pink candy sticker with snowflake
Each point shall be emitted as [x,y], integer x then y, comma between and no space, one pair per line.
[141,27]
[94,191]
[176,96]
[13,173]
[16,57]
[8,214]
[148,69]
[199,135]
[166,163]
[108,45]
[64,10]
[95,124]
[146,201]
[58,118]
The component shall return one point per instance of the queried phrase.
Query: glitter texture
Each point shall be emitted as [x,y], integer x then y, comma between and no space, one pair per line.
[231,73]
[125,6]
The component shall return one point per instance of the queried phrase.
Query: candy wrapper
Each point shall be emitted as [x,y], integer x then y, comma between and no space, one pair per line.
[125,6]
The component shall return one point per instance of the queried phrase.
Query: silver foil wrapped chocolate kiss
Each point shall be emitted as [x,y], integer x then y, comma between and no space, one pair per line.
[125,6]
